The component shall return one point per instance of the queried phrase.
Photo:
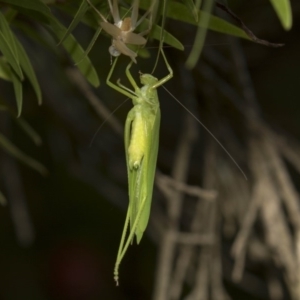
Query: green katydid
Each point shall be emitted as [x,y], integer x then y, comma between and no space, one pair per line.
[141,147]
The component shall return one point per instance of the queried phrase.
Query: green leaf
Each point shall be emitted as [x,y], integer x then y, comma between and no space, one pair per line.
[34,136]
[168,37]
[92,42]
[5,72]
[22,157]
[23,59]
[27,67]
[18,88]
[3,200]
[89,19]
[5,29]
[284,12]
[201,35]
[36,5]
[77,18]
[46,40]
[193,8]
[144,52]
[11,76]
[180,12]
[7,48]
[70,43]
[24,125]
[77,53]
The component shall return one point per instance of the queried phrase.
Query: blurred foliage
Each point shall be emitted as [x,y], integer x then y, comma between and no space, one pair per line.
[69,252]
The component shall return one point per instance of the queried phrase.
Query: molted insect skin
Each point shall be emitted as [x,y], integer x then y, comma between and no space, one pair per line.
[137,145]
[126,24]
[113,51]
[121,31]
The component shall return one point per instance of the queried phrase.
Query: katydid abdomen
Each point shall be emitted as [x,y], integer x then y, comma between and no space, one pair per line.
[136,149]
[142,131]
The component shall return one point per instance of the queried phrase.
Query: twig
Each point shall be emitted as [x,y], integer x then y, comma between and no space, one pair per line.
[246,29]
[191,190]
[180,171]
[80,82]
[285,186]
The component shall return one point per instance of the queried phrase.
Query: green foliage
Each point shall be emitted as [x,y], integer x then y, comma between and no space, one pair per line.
[13,150]
[16,67]
[194,8]
[284,12]
[39,41]
[180,12]
[3,200]
[18,61]
[10,148]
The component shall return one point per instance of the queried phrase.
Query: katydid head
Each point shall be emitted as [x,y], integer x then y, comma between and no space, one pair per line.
[147,79]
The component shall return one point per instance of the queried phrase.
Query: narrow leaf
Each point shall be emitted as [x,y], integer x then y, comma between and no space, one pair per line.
[92,42]
[77,53]
[44,39]
[3,200]
[27,67]
[11,76]
[5,29]
[34,136]
[5,72]
[180,12]
[22,157]
[18,88]
[70,43]
[24,125]
[168,37]
[36,5]
[193,8]
[200,36]
[77,18]
[7,51]
[284,12]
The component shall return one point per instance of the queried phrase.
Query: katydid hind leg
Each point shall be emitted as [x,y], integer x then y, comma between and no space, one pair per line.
[125,88]
[121,250]
[113,85]
[130,78]
[132,231]
[166,78]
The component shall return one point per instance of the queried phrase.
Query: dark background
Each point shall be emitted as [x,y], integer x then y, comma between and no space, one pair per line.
[60,234]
